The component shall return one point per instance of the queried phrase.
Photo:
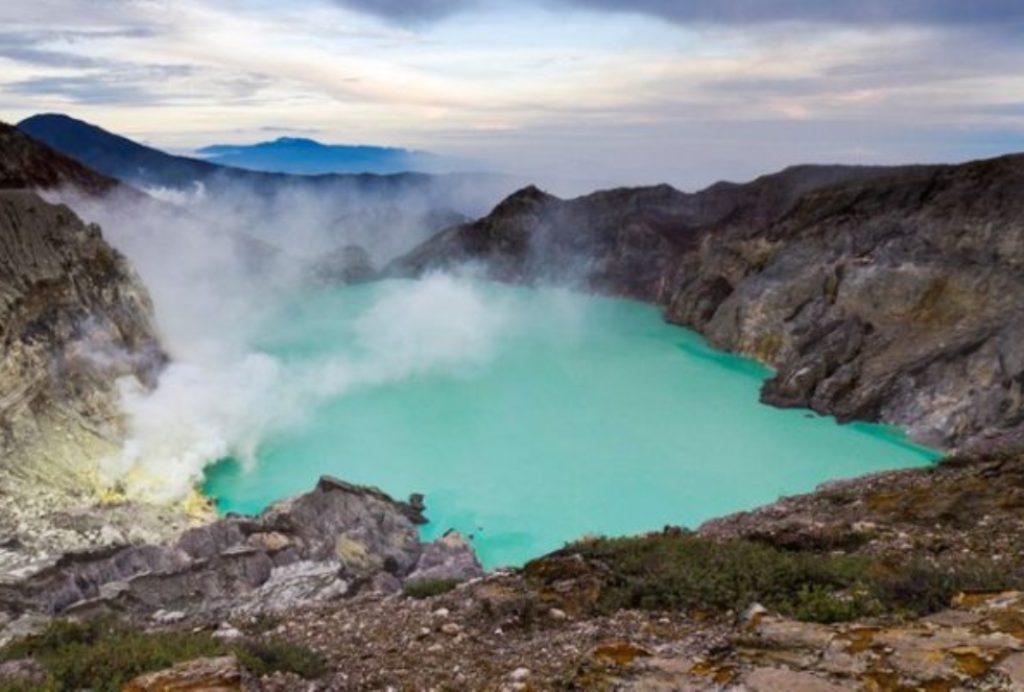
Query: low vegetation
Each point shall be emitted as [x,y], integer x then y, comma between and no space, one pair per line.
[262,657]
[105,653]
[428,588]
[679,571]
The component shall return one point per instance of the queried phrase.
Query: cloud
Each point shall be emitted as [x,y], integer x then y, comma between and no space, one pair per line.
[292,130]
[408,11]
[126,85]
[119,83]
[628,92]
[61,48]
[740,12]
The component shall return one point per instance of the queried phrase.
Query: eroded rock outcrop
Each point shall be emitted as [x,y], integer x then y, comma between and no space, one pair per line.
[74,320]
[334,541]
[26,164]
[350,264]
[877,294]
[899,299]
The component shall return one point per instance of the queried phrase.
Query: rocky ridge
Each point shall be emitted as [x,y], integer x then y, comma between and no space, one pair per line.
[543,627]
[74,320]
[331,542]
[877,294]
[26,164]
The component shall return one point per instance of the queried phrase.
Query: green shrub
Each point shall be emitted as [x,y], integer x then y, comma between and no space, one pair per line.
[26,686]
[428,588]
[819,604]
[919,587]
[277,655]
[681,571]
[105,653]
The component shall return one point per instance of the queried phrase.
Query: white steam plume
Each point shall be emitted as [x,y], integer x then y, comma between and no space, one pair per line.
[200,414]
[214,288]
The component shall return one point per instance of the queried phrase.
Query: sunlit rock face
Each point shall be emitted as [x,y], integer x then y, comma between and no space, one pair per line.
[333,541]
[74,321]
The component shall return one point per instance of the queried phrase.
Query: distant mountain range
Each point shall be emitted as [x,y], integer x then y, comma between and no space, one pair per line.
[149,168]
[113,155]
[138,164]
[309,157]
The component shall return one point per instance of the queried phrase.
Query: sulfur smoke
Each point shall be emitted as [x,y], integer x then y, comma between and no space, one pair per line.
[219,270]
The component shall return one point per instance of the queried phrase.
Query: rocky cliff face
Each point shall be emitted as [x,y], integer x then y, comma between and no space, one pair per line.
[878,294]
[334,541]
[899,299]
[74,319]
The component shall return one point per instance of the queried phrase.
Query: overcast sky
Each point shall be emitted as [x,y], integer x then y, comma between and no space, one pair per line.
[603,91]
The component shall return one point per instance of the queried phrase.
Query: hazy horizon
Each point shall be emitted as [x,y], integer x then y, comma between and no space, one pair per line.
[600,92]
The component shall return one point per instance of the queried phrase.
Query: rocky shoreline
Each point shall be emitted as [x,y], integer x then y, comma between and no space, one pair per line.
[326,543]
[331,572]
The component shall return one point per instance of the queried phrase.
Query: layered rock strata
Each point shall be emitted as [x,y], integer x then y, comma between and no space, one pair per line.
[331,542]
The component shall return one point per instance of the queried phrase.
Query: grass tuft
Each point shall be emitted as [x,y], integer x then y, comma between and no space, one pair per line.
[681,571]
[105,653]
[428,588]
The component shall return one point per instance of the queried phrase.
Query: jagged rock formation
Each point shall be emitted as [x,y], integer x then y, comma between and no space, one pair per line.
[623,242]
[878,294]
[350,264]
[900,299]
[325,544]
[74,319]
[542,627]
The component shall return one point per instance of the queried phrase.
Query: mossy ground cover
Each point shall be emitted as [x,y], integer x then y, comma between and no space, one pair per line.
[428,588]
[680,571]
[104,654]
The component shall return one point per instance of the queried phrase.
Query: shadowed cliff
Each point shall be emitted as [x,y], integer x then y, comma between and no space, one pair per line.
[889,294]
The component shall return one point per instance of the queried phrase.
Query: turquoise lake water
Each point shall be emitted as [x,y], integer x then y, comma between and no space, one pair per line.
[530,417]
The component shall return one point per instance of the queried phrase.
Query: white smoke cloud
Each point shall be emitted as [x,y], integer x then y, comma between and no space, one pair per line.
[200,413]
[196,415]
[182,197]
[220,268]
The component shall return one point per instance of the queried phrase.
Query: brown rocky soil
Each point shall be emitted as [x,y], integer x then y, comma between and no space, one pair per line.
[543,627]
[454,642]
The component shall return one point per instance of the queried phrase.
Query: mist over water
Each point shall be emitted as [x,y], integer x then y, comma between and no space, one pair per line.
[530,417]
[219,268]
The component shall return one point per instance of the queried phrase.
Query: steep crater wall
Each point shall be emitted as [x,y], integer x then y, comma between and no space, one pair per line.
[75,320]
[880,294]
